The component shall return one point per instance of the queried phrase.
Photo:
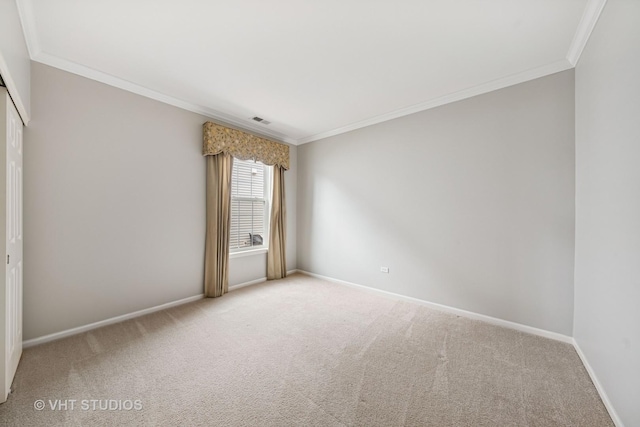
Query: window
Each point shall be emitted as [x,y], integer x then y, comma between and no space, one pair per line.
[249,205]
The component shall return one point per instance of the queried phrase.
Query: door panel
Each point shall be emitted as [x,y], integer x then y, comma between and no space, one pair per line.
[14,242]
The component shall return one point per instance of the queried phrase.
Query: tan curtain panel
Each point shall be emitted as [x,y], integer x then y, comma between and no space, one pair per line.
[243,146]
[276,257]
[221,144]
[216,262]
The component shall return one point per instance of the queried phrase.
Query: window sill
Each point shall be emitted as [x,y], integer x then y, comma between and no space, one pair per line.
[249,252]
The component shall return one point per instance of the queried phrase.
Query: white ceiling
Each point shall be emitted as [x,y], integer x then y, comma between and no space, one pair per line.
[313,68]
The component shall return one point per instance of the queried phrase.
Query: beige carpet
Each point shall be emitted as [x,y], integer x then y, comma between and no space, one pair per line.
[304,352]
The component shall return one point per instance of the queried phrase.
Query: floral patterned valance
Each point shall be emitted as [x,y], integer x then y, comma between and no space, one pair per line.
[244,146]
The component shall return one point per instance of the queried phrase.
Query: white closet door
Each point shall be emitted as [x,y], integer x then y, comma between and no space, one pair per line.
[13,295]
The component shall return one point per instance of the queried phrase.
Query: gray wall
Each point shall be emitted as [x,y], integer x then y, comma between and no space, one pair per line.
[114,201]
[14,57]
[607,286]
[469,204]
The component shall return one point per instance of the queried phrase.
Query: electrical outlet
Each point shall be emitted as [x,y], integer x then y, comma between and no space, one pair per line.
[384,269]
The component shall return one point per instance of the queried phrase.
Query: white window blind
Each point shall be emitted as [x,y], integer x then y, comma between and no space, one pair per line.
[249,205]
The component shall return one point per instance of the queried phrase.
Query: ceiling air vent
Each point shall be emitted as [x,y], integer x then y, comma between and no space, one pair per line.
[261,120]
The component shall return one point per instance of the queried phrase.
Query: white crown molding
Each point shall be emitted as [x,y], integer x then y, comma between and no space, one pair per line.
[511,80]
[25,10]
[110,80]
[90,73]
[27,19]
[13,90]
[587,23]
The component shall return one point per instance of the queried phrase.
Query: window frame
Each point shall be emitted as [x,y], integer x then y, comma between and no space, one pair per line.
[264,248]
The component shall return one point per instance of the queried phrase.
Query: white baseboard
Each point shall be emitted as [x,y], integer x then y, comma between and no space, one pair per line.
[255,282]
[245,284]
[468,314]
[603,395]
[80,329]
[464,313]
